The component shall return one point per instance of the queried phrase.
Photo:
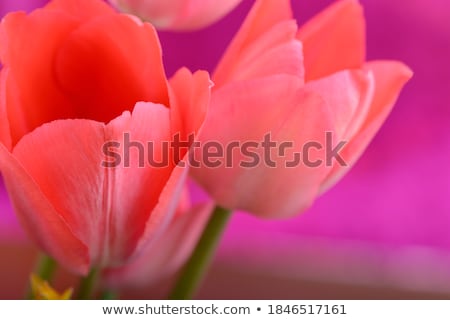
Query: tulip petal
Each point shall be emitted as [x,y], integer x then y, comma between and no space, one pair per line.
[70,12]
[164,209]
[277,106]
[348,94]
[68,71]
[154,264]
[116,72]
[82,9]
[200,13]
[265,45]
[107,207]
[68,173]
[137,191]
[334,40]
[189,101]
[32,96]
[5,131]
[40,218]
[389,77]
[39,34]
[178,14]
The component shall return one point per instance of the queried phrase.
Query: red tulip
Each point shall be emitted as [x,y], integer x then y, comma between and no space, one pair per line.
[178,14]
[77,75]
[296,85]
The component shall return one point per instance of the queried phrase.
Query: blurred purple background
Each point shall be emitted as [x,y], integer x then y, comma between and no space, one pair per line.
[389,218]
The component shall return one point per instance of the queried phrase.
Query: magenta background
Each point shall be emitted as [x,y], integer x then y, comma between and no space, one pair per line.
[399,192]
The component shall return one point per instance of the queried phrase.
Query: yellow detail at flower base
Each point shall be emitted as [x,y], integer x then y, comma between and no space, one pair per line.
[42,290]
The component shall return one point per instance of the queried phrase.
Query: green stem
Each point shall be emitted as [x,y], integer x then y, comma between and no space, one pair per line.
[194,270]
[109,295]
[45,269]
[87,285]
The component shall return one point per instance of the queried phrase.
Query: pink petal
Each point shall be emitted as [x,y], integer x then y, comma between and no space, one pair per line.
[348,94]
[165,208]
[108,209]
[136,191]
[390,77]
[165,256]
[178,14]
[334,40]
[275,105]
[265,45]
[40,218]
[190,96]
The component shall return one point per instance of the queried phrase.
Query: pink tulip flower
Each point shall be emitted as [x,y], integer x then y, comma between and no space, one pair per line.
[297,85]
[178,14]
[77,75]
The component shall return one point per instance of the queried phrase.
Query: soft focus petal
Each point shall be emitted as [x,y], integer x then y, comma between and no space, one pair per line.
[265,45]
[189,101]
[40,218]
[280,108]
[178,14]
[165,256]
[334,40]
[348,94]
[389,78]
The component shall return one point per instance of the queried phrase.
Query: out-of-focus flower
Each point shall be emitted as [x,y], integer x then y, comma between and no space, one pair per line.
[178,14]
[295,85]
[77,75]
